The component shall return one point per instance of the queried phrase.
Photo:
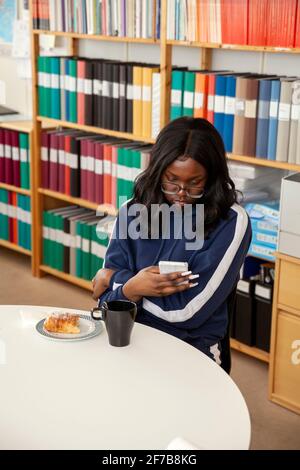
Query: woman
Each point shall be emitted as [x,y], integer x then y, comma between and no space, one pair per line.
[187,167]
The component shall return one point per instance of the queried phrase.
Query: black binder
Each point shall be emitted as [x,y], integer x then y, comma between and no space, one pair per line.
[263,306]
[245,312]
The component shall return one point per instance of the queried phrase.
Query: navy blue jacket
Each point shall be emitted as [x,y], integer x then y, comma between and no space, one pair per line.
[197,315]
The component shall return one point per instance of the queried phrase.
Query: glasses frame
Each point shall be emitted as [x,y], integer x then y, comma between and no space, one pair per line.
[172,193]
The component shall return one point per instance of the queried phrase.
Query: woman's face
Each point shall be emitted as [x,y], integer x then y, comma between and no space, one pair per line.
[189,175]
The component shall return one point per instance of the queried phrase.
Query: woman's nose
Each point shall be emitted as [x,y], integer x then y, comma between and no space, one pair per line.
[182,191]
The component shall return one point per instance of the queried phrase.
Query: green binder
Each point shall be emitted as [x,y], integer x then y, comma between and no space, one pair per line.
[86,250]
[45,239]
[47,86]
[24,160]
[41,85]
[78,248]
[188,93]
[176,107]
[55,88]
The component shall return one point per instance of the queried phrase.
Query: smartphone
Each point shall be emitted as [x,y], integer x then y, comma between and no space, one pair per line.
[166,267]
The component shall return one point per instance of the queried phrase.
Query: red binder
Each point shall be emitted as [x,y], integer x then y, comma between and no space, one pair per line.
[67,165]
[91,170]
[80,91]
[8,157]
[53,165]
[99,173]
[45,143]
[83,167]
[15,151]
[61,163]
[2,156]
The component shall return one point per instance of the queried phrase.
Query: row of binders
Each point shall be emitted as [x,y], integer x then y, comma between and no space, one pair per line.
[14,158]
[270,23]
[256,115]
[75,240]
[121,18]
[252,316]
[108,94]
[15,218]
[96,168]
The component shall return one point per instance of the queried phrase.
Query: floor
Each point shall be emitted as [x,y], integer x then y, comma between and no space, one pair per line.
[273,427]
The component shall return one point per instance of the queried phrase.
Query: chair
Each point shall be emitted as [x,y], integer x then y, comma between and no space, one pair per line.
[225,342]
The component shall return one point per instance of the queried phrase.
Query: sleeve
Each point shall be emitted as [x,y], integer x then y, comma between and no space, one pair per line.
[218,267]
[118,258]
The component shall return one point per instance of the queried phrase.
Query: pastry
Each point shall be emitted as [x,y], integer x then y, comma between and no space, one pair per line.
[62,323]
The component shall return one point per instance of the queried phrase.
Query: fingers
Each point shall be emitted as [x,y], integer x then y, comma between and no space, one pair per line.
[178,280]
[173,290]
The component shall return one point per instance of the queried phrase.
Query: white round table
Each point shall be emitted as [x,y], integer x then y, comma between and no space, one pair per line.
[90,395]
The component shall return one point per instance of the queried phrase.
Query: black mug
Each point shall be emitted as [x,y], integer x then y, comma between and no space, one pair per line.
[119,316]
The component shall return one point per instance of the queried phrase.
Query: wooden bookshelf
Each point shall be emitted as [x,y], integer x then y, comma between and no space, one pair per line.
[15,189]
[14,247]
[20,126]
[264,162]
[27,128]
[97,37]
[250,350]
[67,277]
[233,47]
[40,195]
[108,209]
[93,129]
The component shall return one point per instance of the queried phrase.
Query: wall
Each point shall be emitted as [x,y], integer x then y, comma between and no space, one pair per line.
[18,90]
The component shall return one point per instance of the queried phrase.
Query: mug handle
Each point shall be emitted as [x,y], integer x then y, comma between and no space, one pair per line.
[102,309]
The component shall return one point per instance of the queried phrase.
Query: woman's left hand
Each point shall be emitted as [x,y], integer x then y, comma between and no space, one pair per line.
[101,282]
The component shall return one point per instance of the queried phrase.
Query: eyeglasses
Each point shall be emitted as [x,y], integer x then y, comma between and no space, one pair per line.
[173,188]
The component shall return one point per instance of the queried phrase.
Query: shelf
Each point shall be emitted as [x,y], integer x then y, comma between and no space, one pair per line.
[96,37]
[107,208]
[16,189]
[20,126]
[13,246]
[96,130]
[250,350]
[264,162]
[234,47]
[68,277]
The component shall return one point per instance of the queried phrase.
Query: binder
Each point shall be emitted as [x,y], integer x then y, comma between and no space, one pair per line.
[15,158]
[245,312]
[89,103]
[263,305]
[176,106]
[24,161]
[188,93]
[8,157]
[2,156]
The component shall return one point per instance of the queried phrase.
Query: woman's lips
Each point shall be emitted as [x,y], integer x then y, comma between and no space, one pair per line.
[179,201]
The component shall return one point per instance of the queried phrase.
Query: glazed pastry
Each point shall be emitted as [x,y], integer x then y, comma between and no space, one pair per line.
[62,323]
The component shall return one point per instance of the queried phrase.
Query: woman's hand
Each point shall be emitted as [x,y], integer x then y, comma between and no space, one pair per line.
[101,282]
[149,282]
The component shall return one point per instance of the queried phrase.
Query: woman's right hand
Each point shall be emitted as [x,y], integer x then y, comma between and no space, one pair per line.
[150,283]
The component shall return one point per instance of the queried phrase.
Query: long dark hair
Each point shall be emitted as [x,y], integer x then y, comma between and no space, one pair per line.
[196,138]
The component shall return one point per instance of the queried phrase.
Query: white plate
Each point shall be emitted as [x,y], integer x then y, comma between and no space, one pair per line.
[88,329]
